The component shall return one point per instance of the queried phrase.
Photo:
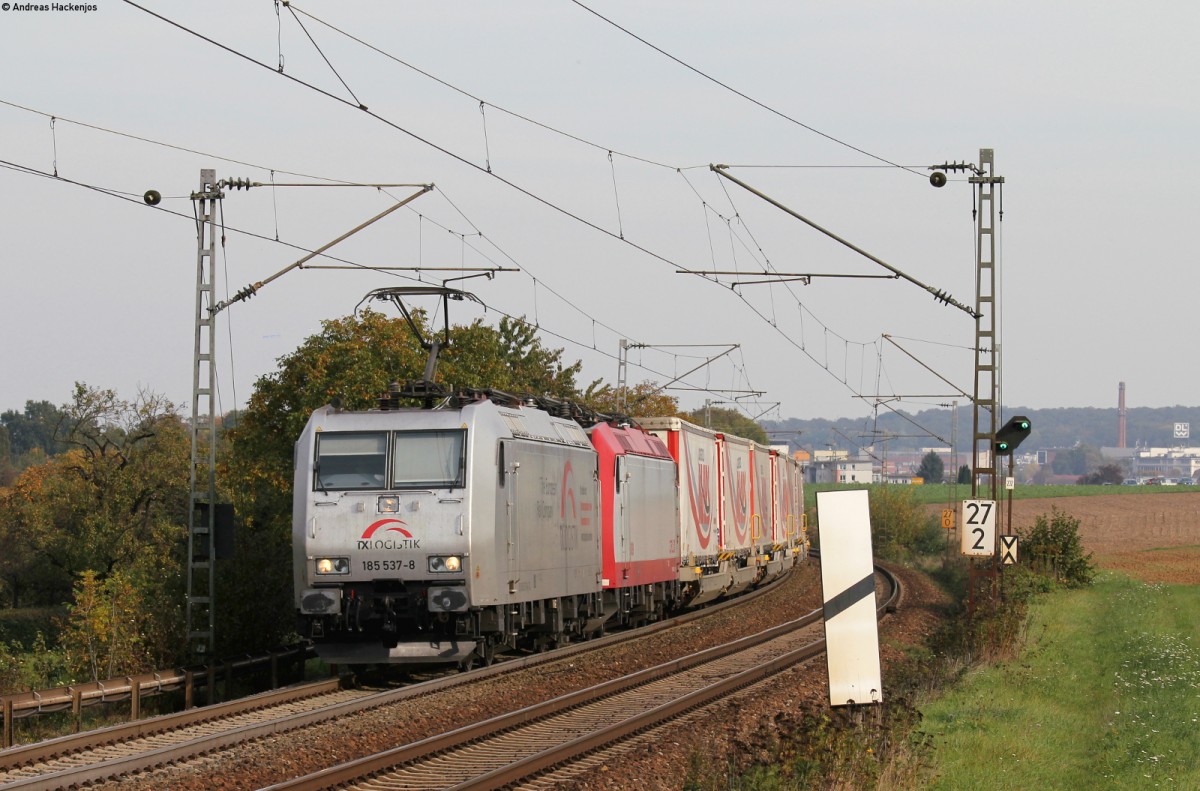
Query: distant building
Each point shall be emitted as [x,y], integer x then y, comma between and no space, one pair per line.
[1144,463]
[840,468]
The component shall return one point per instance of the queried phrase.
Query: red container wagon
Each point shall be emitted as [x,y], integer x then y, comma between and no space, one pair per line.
[639,520]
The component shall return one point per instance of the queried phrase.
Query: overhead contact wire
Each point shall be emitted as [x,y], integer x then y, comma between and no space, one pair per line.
[457,157]
[137,200]
[736,92]
[472,96]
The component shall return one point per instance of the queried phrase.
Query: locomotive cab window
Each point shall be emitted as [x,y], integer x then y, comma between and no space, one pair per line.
[351,460]
[429,459]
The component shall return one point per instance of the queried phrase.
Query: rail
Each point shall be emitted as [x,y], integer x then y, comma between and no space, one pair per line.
[80,770]
[533,740]
[135,688]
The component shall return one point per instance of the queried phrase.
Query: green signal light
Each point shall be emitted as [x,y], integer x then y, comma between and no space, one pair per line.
[1011,434]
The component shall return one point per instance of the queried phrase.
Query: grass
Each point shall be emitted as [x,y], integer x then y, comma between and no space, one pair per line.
[1106,694]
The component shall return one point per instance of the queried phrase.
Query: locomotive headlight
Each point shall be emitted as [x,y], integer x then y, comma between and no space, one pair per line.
[445,564]
[389,504]
[333,565]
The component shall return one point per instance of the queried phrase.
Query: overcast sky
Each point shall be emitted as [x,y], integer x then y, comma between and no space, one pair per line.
[599,189]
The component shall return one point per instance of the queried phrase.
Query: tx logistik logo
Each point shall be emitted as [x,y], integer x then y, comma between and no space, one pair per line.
[368,540]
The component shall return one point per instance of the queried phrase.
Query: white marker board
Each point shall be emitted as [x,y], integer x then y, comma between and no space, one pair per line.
[848,587]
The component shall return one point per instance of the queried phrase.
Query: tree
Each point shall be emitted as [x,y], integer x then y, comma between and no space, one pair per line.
[1108,473]
[729,421]
[115,502]
[35,428]
[509,358]
[103,637]
[932,468]
[900,525]
[353,358]
[1076,461]
[8,471]
[28,437]
[641,400]
[964,474]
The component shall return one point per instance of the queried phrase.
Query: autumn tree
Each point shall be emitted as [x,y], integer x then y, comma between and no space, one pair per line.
[729,421]
[103,634]
[642,400]
[114,502]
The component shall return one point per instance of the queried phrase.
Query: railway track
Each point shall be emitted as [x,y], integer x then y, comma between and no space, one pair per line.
[69,760]
[121,750]
[520,745]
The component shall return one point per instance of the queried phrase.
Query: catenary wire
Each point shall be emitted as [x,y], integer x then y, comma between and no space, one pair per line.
[413,135]
[736,92]
[136,200]
[528,193]
[442,193]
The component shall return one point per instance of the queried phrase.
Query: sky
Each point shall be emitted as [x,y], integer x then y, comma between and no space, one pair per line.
[572,143]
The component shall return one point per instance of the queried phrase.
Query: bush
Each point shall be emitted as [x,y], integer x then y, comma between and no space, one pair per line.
[1052,547]
[33,667]
[25,624]
[900,525]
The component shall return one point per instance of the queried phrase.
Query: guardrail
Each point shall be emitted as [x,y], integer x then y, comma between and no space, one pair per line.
[134,689]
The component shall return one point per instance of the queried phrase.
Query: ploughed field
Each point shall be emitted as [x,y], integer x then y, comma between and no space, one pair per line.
[1152,537]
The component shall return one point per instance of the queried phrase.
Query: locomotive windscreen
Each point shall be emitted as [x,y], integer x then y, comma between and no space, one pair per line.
[428,459]
[351,460]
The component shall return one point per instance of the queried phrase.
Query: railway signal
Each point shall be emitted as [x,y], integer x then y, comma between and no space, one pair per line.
[1011,434]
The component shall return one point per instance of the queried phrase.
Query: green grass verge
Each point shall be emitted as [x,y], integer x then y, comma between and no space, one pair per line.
[1106,694]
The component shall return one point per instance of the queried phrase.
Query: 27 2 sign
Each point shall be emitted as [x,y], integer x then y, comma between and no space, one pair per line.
[978,535]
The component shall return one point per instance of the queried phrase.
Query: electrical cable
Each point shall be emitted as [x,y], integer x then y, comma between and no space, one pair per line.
[322,54]
[736,92]
[481,101]
[457,157]
[447,152]
[544,201]
[273,171]
[136,200]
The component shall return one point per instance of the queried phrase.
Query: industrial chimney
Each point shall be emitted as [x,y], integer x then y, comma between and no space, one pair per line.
[1121,416]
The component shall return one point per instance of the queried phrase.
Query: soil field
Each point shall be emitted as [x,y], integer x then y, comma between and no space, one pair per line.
[1152,537]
